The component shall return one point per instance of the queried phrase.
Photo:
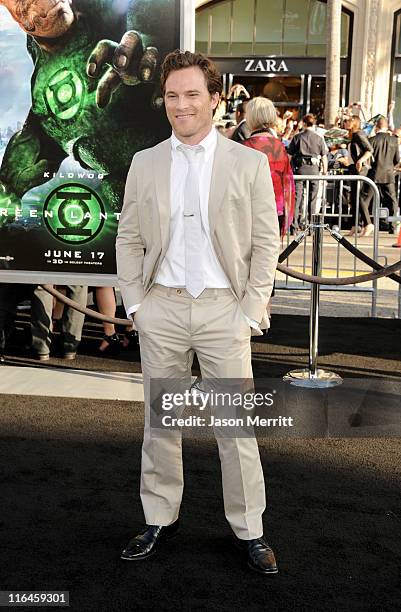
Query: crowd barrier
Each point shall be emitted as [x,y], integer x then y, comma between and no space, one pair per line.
[312,376]
[334,205]
[397,219]
[339,282]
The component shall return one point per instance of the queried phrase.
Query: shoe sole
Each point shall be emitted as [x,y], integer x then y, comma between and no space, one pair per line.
[259,571]
[153,552]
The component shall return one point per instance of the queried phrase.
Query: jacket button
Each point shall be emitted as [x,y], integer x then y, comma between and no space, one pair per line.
[179,291]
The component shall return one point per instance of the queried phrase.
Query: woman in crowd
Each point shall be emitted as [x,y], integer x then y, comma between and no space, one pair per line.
[105,300]
[361,152]
[261,118]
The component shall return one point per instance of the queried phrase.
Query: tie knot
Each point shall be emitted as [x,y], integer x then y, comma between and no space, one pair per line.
[191,152]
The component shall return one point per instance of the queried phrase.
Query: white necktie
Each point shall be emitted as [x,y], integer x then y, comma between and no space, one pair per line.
[194,279]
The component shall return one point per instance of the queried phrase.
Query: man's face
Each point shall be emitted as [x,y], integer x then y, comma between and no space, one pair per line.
[42,18]
[189,105]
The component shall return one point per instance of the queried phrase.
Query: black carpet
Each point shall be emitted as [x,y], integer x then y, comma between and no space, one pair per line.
[70,497]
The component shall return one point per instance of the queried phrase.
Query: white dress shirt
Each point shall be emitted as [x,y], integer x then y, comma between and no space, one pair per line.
[172,268]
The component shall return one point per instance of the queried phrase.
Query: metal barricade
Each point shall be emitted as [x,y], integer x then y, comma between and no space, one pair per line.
[397,220]
[336,212]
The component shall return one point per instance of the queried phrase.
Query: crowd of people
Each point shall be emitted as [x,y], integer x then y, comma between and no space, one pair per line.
[355,147]
[292,147]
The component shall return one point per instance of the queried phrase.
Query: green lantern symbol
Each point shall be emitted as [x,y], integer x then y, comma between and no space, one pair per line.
[74,213]
[64,94]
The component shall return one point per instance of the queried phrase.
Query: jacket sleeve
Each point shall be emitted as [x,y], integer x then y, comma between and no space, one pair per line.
[363,143]
[129,244]
[265,244]
[396,160]
[289,194]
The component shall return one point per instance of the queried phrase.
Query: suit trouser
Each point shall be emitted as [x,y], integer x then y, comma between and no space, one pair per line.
[302,214]
[71,323]
[172,326]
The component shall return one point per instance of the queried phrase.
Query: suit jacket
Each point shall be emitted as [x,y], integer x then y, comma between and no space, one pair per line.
[241,132]
[242,218]
[385,157]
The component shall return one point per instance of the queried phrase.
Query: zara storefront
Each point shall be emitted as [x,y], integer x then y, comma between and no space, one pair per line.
[275,49]
[278,49]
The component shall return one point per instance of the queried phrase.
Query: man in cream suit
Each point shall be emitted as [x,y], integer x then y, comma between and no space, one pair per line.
[197,250]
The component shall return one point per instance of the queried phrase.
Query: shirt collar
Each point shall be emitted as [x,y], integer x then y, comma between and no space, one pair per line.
[208,143]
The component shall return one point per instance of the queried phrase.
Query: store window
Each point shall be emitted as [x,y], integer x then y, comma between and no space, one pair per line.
[241,43]
[285,91]
[317,95]
[398,34]
[268,38]
[220,29]
[294,28]
[202,35]
[317,31]
[397,99]
[395,93]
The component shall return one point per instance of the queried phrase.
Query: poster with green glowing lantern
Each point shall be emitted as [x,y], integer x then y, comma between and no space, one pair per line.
[79,96]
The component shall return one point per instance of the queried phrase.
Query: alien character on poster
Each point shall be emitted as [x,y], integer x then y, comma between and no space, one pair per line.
[94,102]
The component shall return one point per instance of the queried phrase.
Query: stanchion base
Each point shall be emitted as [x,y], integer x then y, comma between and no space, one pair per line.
[319,380]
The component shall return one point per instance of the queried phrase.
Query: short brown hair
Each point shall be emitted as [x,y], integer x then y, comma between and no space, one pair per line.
[309,120]
[177,60]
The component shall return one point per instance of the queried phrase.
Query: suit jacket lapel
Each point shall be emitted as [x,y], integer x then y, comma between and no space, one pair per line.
[224,162]
[162,168]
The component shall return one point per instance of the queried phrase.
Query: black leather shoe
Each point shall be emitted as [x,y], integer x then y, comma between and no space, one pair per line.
[146,543]
[260,557]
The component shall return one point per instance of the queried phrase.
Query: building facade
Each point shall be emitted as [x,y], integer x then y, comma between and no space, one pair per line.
[278,49]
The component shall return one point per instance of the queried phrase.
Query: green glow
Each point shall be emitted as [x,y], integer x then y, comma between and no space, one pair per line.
[64,94]
[74,213]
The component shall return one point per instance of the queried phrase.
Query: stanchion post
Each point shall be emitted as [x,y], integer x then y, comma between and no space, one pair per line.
[313,376]
[317,237]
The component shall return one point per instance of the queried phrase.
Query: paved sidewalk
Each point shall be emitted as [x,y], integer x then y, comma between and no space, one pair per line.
[72,383]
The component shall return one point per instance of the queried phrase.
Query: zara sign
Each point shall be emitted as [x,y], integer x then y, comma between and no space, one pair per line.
[265,65]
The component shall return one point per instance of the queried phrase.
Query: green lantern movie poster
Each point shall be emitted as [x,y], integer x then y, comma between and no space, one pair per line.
[79,96]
